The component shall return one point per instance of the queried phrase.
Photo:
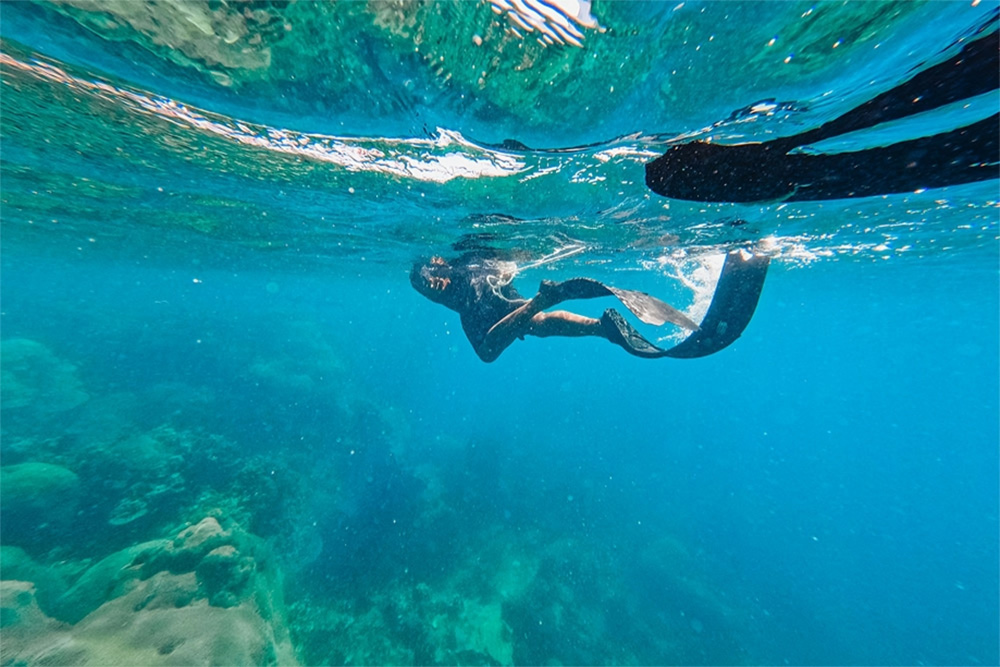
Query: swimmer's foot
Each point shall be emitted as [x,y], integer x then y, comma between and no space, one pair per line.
[623,334]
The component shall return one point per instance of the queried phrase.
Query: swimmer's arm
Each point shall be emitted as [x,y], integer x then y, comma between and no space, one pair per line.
[529,318]
[517,323]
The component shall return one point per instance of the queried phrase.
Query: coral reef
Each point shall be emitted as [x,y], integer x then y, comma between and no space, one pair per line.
[35,500]
[395,548]
[33,378]
[209,596]
[17,565]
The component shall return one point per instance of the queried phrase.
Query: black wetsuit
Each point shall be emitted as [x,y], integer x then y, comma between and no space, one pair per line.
[483,295]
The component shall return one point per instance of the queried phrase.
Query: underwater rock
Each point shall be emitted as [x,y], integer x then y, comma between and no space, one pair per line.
[305,361]
[35,496]
[18,606]
[225,575]
[463,619]
[141,479]
[22,449]
[224,560]
[207,597]
[144,627]
[144,455]
[201,537]
[17,565]
[182,403]
[305,545]
[483,631]
[107,418]
[136,456]
[34,378]
[127,511]
[106,579]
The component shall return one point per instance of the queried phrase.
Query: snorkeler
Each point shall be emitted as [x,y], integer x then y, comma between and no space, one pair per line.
[477,285]
[788,169]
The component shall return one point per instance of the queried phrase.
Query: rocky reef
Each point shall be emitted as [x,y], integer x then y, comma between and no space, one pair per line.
[209,596]
[133,533]
[88,488]
[35,381]
[35,495]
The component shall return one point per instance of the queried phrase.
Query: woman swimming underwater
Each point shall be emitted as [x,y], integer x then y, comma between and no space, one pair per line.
[478,286]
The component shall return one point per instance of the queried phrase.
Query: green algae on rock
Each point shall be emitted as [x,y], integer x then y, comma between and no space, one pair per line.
[159,603]
[107,578]
[34,496]
[16,564]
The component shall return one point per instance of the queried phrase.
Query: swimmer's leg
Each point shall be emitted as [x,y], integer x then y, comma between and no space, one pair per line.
[571,325]
[529,320]
[564,323]
[612,327]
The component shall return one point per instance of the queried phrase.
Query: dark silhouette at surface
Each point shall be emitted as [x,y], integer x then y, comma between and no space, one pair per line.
[477,285]
[769,171]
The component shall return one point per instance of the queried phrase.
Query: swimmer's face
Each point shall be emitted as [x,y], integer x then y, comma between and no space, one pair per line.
[432,279]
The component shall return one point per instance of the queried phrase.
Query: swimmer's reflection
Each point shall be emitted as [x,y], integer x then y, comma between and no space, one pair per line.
[791,169]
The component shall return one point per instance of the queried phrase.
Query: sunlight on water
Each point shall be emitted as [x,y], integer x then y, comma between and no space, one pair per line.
[556,177]
[404,158]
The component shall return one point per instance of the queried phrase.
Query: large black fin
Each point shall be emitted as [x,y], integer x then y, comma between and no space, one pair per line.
[732,308]
[760,172]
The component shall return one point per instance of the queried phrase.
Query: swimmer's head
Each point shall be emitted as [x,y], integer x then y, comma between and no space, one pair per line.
[432,278]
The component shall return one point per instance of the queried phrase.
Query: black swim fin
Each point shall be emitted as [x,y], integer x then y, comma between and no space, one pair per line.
[770,171]
[733,305]
[746,173]
[621,333]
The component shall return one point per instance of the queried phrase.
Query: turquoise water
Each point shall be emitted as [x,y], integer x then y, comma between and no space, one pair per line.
[232,433]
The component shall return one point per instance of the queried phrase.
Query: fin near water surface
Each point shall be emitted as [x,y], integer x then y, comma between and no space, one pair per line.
[771,171]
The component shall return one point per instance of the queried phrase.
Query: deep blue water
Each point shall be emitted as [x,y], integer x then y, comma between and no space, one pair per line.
[824,491]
